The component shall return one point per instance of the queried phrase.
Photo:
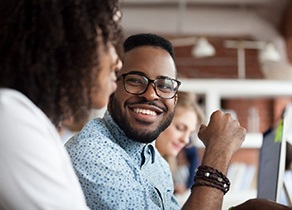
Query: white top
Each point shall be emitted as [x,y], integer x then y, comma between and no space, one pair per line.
[35,169]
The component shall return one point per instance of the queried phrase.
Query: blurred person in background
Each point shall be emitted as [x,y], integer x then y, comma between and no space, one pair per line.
[176,143]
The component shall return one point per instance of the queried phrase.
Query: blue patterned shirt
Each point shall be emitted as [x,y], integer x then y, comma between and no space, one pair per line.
[118,173]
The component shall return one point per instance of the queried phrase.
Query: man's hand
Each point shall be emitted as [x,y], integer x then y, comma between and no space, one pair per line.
[223,134]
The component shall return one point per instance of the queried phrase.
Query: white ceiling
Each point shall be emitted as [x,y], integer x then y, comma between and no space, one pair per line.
[256,19]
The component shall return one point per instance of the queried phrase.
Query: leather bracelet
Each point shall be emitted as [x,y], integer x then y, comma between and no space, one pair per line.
[208,176]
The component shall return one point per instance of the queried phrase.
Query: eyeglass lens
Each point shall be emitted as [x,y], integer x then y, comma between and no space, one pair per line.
[137,84]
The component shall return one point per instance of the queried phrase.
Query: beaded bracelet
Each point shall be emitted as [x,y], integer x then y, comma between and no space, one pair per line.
[208,176]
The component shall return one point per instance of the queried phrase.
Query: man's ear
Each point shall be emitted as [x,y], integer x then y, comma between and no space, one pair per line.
[175,99]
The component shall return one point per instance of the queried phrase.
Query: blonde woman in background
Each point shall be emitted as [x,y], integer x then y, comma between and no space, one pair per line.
[174,143]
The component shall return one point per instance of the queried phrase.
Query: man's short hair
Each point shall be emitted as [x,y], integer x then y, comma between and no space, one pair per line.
[148,39]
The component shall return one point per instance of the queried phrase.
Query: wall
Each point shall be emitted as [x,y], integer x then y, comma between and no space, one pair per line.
[224,66]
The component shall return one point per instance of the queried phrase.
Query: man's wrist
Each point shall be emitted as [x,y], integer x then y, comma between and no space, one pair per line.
[210,177]
[217,160]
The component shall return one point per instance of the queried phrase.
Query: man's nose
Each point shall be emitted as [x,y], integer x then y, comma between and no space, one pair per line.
[150,93]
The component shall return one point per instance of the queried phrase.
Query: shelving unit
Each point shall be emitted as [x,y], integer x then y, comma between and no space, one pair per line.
[216,89]
[252,140]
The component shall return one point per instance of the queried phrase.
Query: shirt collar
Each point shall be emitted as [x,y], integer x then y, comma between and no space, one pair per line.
[141,153]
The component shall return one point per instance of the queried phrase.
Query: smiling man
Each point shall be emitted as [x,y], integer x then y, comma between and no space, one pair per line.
[114,158]
[144,107]
[117,166]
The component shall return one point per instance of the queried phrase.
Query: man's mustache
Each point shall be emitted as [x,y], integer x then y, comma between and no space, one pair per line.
[146,102]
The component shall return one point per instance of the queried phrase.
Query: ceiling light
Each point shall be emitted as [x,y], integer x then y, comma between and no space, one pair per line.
[203,48]
[269,53]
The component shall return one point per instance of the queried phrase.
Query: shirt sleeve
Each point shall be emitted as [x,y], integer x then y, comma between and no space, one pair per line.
[35,172]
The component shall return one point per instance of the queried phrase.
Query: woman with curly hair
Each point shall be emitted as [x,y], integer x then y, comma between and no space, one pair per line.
[58,60]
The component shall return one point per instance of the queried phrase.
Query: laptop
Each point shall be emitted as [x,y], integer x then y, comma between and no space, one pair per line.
[272,160]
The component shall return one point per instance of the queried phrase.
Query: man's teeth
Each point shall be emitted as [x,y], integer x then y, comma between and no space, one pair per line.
[145,111]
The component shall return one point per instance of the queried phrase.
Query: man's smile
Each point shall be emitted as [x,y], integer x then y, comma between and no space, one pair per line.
[145,111]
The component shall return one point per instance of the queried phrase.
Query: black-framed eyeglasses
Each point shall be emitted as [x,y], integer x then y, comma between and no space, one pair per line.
[137,84]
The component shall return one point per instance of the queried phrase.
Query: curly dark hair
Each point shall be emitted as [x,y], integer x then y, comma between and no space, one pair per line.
[49,51]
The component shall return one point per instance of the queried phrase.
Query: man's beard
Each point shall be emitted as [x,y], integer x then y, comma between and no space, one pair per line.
[135,135]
